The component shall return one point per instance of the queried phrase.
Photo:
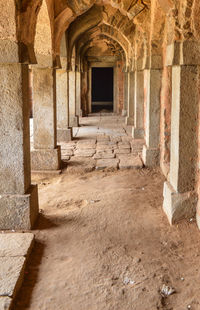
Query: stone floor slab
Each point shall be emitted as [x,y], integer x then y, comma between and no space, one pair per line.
[132,162]
[5,303]
[124,145]
[107,163]
[103,147]
[122,151]
[11,275]
[68,145]
[116,139]
[104,154]
[17,244]
[80,164]
[68,152]
[84,152]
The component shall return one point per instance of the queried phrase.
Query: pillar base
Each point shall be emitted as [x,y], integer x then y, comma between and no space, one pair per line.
[150,156]
[129,120]
[74,121]
[19,211]
[178,206]
[64,135]
[46,159]
[124,113]
[138,133]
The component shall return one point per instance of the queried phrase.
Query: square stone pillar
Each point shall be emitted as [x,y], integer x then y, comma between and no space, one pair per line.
[138,129]
[179,196]
[18,198]
[46,154]
[152,89]
[64,132]
[126,94]
[131,88]
[73,118]
[78,93]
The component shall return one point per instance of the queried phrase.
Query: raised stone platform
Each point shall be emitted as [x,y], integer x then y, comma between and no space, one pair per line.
[15,249]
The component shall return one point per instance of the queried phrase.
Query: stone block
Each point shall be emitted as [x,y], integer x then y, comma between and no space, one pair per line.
[124,145]
[68,145]
[67,152]
[19,211]
[124,112]
[103,138]
[130,121]
[74,121]
[138,133]
[190,53]
[127,139]
[46,159]
[17,244]
[91,143]
[122,151]
[173,54]
[150,157]
[132,162]
[104,154]
[178,206]
[107,147]
[64,135]
[5,303]
[86,145]
[11,275]
[80,164]
[107,164]
[116,139]
[84,152]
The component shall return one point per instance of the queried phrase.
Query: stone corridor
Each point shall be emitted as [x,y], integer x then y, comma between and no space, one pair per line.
[96,190]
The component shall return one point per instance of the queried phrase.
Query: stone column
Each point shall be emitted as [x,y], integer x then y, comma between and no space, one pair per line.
[152,90]
[18,198]
[131,84]
[64,133]
[46,154]
[78,94]
[89,89]
[179,196]
[126,93]
[115,95]
[73,118]
[138,129]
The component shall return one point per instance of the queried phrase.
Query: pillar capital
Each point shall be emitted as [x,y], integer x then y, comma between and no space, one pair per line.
[185,53]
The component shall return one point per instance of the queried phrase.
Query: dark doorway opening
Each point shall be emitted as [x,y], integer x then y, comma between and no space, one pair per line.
[102,89]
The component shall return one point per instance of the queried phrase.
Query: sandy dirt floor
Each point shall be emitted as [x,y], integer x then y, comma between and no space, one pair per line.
[103,242]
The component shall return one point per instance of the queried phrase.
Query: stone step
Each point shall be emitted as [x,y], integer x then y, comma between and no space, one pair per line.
[15,249]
